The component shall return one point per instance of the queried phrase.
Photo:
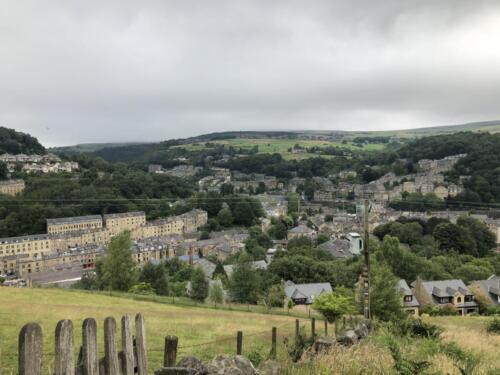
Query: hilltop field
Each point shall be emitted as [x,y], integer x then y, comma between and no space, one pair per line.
[280,146]
[199,325]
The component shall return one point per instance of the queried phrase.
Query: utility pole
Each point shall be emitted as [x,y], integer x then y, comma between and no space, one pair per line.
[366,271]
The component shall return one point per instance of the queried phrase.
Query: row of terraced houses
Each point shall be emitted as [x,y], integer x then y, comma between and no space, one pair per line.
[33,253]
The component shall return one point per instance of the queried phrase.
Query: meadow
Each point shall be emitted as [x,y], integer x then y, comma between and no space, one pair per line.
[204,331]
[194,326]
[281,146]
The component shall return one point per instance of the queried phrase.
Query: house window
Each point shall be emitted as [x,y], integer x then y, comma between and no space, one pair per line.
[408,298]
[459,299]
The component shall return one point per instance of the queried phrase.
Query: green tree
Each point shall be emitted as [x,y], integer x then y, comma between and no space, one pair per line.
[244,282]
[225,217]
[4,172]
[275,296]
[216,294]
[156,276]
[243,214]
[142,288]
[116,270]
[453,237]
[336,304]
[199,285]
[385,298]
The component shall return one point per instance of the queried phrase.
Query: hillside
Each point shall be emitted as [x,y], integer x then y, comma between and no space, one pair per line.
[14,142]
[192,325]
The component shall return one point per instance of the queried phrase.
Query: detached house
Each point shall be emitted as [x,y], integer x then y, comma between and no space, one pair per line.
[408,299]
[445,292]
[489,289]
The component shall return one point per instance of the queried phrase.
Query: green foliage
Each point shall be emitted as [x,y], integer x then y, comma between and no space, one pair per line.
[402,365]
[156,276]
[415,328]
[494,326]
[116,270]
[14,142]
[216,294]
[385,299]
[464,361]
[275,296]
[142,288]
[4,172]
[245,282]
[298,346]
[336,304]
[255,355]
[199,285]
[225,217]
[446,310]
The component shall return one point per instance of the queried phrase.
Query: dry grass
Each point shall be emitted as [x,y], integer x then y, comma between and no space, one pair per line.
[192,325]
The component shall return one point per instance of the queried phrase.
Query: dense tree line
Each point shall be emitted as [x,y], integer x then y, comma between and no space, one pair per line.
[14,142]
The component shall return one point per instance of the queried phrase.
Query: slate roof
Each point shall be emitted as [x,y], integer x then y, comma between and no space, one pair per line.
[307,291]
[124,214]
[492,288]
[405,290]
[339,248]
[447,289]
[301,229]
[74,219]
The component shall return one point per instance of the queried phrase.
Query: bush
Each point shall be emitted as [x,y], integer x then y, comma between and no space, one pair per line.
[493,326]
[416,328]
[255,355]
[142,288]
[299,345]
[446,310]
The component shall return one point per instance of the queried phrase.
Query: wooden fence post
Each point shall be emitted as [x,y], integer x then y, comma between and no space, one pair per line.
[170,355]
[274,335]
[313,327]
[89,342]
[30,350]
[110,352]
[297,328]
[127,347]
[63,361]
[239,343]
[140,333]
[326,327]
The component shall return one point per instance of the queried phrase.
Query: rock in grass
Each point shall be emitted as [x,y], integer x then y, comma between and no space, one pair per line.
[230,365]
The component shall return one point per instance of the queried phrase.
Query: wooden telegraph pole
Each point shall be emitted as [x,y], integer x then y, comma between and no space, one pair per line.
[366,270]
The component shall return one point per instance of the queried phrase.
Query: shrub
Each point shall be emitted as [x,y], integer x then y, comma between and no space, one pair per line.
[446,310]
[416,328]
[142,288]
[255,355]
[299,345]
[493,326]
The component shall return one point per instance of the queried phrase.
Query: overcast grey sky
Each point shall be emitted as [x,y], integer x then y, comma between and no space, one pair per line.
[118,70]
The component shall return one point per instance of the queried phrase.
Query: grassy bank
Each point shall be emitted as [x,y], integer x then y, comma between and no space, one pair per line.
[194,326]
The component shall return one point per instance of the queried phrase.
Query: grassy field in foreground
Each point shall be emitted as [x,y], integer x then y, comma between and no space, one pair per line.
[281,146]
[192,325]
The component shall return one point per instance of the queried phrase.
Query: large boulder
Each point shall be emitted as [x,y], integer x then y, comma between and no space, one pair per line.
[193,363]
[270,367]
[348,338]
[323,344]
[230,365]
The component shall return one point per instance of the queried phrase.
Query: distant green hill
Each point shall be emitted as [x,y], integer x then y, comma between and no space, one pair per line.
[93,147]
[14,142]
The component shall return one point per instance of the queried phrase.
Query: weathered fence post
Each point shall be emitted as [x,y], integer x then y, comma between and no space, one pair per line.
[239,343]
[63,361]
[274,335]
[127,347]
[140,333]
[170,355]
[326,327]
[30,350]
[89,343]
[313,327]
[297,328]
[110,352]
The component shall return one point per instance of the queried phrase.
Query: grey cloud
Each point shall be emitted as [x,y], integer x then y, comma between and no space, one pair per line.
[81,71]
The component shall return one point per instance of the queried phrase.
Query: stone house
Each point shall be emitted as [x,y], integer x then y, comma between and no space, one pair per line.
[445,292]
[408,299]
[301,231]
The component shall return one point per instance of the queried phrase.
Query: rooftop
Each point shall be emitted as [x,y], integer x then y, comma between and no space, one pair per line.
[74,219]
